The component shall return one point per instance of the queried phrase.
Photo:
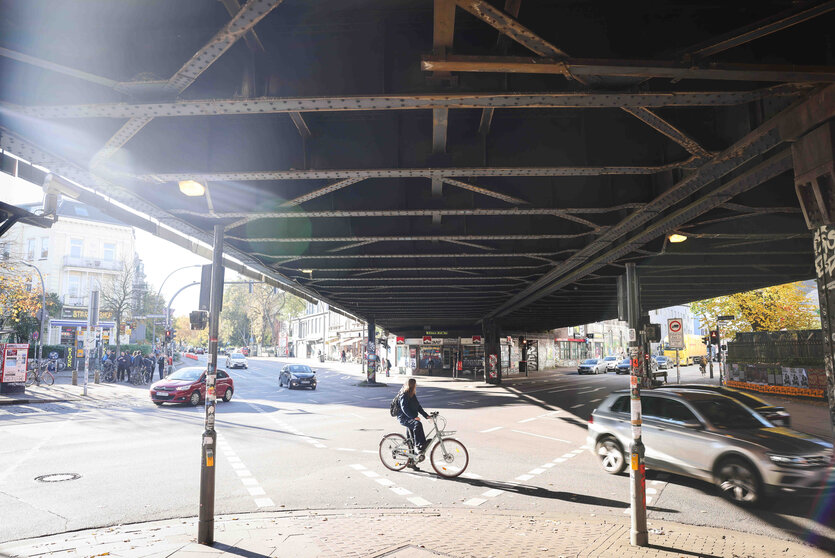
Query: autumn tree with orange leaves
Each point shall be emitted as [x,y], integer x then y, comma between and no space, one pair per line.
[19,301]
[770,309]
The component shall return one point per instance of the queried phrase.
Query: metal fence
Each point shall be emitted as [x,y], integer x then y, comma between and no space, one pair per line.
[778,347]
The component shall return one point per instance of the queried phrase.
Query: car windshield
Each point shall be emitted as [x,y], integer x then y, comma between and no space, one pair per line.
[610,358]
[190,374]
[299,368]
[662,359]
[236,355]
[727,414]
[625,361]
[590,361]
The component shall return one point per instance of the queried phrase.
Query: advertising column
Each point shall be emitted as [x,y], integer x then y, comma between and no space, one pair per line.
[13,367]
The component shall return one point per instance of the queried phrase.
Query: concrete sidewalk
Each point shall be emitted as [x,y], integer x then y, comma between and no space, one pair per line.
[407,533]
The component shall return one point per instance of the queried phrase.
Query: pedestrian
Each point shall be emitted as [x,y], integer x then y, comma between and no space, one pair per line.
[161,364]
[343,355]
[388,366]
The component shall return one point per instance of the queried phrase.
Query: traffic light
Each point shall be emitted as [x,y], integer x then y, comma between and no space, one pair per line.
[705,340]
[714,337]
[168,335]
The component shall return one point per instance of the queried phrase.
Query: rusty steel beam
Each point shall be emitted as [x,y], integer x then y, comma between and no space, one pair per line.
[756,30]
[277,105]
[247,17]
[656,122]
[438,173]
[586,67]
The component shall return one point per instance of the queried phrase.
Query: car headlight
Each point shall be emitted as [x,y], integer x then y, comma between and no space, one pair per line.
[789,460]
[183,388]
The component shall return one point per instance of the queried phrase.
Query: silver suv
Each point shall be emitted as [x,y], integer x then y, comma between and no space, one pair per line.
[714,438]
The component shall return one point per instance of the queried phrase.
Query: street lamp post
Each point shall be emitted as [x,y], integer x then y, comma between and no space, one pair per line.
[167,309]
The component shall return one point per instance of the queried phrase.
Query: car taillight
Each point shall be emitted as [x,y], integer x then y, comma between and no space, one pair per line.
[591,419]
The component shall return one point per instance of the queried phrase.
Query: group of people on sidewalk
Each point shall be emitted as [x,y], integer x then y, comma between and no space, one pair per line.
[136,363]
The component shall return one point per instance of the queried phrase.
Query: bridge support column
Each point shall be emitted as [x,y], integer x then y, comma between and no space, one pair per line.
[814,180]
[371,353]
[492,353]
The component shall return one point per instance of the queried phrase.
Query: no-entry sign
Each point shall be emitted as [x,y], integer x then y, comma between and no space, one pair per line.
[675,333]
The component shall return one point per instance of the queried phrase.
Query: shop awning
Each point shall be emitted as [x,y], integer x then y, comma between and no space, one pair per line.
[351,341]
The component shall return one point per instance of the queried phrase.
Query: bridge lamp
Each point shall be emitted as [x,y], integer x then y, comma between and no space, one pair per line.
[676,238]
[192,188]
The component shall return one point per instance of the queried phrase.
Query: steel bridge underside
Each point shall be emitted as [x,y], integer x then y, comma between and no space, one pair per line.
[438,163]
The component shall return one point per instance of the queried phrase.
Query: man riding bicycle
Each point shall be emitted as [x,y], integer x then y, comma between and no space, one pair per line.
[410,408]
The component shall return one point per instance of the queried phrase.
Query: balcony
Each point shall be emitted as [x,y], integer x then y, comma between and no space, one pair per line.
[92,263]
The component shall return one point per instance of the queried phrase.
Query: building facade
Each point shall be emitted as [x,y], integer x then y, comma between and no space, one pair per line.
[83,249]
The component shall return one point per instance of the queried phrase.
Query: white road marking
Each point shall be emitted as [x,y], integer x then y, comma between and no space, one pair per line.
[536,472]
[238,465]
[524,477]
[471,476]
[474,502]
[578,405]
[492,493]
[548,465]
[400,491]
[264,502]
[492,429]
[369,451]
[384,482]
[370,474]
[243,473]
[528,420]
[319,446]
[559,460]
[357,467]
[345,449]
[541,436]
[249,481]
[418,501]
[256,491]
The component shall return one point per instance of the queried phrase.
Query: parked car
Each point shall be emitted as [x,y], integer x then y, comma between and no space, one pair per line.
[592,366]
[611,363]
[236,360]
[663,362]
[188,385]
[624,366]
[714,438]
[775,415]
[199,351]
[297,375]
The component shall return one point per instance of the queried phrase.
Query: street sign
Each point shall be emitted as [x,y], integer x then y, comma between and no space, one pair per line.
[726,318]
[35,335]
[675,333]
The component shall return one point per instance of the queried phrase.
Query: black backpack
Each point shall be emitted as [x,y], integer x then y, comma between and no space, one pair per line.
[394,409]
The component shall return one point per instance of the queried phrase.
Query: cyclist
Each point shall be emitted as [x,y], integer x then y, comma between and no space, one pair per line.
[410,409]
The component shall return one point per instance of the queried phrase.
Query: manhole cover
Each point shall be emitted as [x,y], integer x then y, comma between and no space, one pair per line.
[58,477]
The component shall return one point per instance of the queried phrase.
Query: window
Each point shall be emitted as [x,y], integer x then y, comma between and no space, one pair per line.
[622,405]
[30,249]
[76,247]
[73,285]
[108,252]
[44,247]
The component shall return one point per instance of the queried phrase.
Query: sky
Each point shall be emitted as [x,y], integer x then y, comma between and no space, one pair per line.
[160,256]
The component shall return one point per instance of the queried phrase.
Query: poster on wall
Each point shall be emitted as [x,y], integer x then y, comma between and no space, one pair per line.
[14,362]
[430,358]
[795,377]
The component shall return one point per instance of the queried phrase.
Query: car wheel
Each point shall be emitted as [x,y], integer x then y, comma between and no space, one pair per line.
[739,482]
[157,403]
[227,395]
[195,398]
[611,455]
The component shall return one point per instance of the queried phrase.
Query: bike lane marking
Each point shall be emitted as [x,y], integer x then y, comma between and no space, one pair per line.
[249,482]
[391,485]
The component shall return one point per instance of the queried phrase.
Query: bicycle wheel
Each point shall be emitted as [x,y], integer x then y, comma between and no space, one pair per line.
[393,452]
[449,458]
[31,376]
[47,378]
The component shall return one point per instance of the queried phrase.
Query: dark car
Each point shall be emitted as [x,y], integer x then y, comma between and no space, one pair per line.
[297,375]
[624,366]
[775,415]
[199,351]
[188,385]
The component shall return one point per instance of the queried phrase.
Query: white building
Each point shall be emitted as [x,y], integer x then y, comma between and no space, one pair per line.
[84,247]
[320,330]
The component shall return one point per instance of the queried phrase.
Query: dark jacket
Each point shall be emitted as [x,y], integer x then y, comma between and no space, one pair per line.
[409,408]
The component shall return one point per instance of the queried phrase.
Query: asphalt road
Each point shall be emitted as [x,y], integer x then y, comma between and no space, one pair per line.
[304,449]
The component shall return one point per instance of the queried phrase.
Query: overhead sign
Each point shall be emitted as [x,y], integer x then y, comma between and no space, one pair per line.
[476,339]
[427,339]
[401,340]
[675,333]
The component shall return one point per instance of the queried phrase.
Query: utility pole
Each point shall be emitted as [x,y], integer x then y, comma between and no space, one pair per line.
[637,470]
[206,520]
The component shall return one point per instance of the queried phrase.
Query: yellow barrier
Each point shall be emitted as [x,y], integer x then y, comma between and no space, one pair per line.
[780,390]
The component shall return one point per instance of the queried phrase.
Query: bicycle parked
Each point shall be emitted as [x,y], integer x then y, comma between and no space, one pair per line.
[41,373]
[448,457]
[108,371]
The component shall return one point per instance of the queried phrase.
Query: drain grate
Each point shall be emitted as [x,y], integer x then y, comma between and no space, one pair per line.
[58,477]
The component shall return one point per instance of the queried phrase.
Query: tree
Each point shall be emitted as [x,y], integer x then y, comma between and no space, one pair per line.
[770,309]
[117,295]
[19,302]
[246,314]
[235,325]
[188,336]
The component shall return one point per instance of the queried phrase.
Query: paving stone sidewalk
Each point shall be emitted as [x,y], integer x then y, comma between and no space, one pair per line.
[407,534]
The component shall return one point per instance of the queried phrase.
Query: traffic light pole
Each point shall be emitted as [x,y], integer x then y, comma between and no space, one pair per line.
[206,520]
[638,535]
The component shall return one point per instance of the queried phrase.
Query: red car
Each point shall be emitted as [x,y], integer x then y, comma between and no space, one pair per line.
[245,351]
[188,385]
